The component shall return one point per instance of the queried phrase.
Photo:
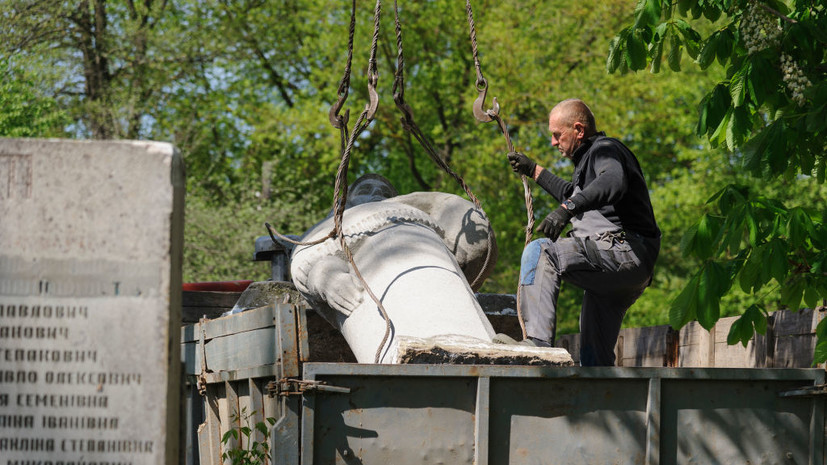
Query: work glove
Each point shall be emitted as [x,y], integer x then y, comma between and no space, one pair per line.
[521,164]
[554,223]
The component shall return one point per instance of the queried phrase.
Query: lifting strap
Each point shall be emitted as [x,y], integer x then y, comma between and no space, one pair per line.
[493,114]
[340,122]
[346,147]
[410,125]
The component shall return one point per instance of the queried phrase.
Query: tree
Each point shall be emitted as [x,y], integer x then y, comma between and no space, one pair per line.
[243,89]
[769,112]
[23,111]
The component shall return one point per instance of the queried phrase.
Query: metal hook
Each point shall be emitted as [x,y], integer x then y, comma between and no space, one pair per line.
[495,109]
[370,108]
[338,121]
[484,116]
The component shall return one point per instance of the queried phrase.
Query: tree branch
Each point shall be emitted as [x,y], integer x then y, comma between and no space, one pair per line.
[775,12]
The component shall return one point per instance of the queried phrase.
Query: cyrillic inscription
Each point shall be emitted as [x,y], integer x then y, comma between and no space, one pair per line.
[15,176]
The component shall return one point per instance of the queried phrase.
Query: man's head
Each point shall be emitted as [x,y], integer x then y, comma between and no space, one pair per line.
[369,188]
[570,122]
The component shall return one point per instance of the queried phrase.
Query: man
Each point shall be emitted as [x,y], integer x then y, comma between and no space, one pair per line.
[417,252]
[612,247]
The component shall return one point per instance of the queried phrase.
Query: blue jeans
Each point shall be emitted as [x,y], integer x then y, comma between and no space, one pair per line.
[612,270]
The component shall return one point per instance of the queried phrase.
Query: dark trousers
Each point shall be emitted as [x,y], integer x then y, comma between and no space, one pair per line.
[612,270]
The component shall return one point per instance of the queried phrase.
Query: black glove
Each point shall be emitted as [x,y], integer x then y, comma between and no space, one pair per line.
[555,222]
[522,164]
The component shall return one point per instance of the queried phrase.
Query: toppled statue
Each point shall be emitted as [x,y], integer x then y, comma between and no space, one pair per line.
[417,252]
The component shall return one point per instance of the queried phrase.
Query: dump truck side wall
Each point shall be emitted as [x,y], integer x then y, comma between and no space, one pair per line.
[252,366]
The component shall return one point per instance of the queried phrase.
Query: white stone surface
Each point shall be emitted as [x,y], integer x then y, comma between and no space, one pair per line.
[407,248]
[90,260]
[460,349]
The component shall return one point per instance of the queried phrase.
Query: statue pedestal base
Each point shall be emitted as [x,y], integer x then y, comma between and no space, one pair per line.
[460,350]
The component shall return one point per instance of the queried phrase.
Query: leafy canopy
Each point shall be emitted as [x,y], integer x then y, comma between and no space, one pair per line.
[243,89]
[769,112]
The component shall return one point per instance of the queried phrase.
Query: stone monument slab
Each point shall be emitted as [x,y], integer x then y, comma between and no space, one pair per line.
[90,282]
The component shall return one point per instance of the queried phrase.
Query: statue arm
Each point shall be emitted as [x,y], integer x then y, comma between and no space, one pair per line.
[331,282]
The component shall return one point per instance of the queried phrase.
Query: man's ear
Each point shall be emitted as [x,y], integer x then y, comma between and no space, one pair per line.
[581,130]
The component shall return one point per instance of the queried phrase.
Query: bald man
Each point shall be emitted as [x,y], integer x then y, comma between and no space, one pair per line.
[613,244]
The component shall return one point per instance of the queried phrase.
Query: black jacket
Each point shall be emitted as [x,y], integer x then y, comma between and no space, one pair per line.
[607,179]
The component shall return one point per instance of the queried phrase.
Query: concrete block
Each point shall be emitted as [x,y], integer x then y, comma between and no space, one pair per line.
[461,350]
[90,294]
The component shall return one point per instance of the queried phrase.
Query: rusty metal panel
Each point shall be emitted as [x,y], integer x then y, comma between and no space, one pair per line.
[520,415]
[426,414]
[394,419]
[243,352]
[234,342]
[732,421]
[554,420]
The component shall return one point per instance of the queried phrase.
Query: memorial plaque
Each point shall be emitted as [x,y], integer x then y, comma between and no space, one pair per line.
[90,281]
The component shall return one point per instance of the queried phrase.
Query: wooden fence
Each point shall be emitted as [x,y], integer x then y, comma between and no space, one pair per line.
[788,343]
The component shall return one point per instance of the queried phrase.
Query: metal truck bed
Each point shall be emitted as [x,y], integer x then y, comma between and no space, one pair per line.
[346,413]
[409,414]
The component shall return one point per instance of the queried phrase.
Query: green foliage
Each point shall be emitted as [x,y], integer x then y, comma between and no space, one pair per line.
[772,101]
[241,446]
[754,320]
[243,89]
[24,113]
[221,231]
[754,242]
[769,111]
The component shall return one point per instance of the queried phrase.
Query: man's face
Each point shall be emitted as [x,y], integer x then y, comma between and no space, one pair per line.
[566,137]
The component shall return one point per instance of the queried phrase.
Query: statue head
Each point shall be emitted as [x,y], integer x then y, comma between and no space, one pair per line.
[369,188]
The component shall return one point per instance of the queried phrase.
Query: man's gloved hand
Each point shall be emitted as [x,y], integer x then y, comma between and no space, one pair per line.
[554,223]
[522,164]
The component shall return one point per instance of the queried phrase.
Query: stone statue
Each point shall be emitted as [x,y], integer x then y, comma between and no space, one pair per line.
[417,252]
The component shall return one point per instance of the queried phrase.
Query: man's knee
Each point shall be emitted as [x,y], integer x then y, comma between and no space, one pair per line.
[532,254]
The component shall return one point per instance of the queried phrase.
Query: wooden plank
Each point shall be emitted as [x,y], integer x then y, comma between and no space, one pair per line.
[644,347]
[190,315]
[242,350]
[672,356]
[246,321]
[227,407]
[820,314]
[302,328]
[619,355]
[769,343]
[735,356]
[286,341]
[795,351]
[254,390]
[271,371]
[762,344]
[789,323]
[191,354]
[727,356]
[697,347]
[271,403]
[722,328]
[209,299]
[570,342]
[209,436]
[694,346]
[190,333]
[245,412]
